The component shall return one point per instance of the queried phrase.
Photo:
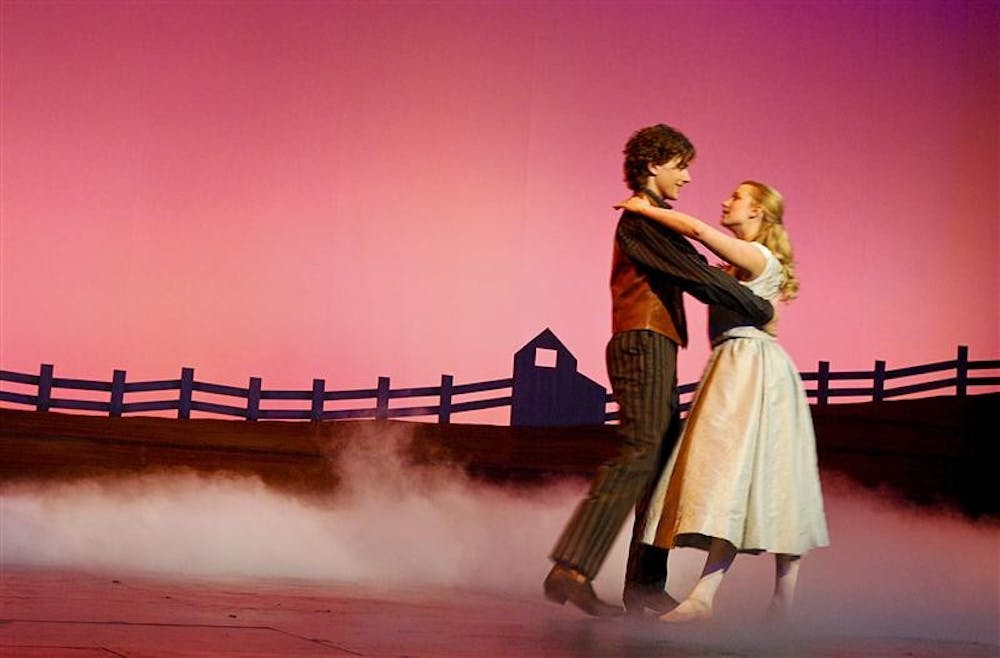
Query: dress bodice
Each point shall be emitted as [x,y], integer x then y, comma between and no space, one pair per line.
[767,284]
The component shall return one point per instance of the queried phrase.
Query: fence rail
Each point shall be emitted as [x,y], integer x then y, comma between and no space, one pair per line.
[961,375]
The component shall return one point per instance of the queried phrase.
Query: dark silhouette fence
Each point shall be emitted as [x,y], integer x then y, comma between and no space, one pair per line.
[543,391]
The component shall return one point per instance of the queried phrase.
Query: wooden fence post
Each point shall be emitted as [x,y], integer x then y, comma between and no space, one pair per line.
[117,405]
[823,382]
[382,399]
[187,388]
[44,400]
[962,370]
[878,383]
[444,408]
[253,399]
[316,411]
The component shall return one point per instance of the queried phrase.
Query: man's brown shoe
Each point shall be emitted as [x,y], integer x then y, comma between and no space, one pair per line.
[640,598]
[566,584]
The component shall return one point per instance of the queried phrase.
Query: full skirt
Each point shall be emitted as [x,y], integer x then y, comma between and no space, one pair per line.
[744,469]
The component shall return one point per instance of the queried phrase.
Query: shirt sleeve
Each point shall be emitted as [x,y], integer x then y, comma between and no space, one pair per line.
[663,250]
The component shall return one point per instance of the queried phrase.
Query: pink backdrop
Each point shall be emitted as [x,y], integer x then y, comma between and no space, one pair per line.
[347,190]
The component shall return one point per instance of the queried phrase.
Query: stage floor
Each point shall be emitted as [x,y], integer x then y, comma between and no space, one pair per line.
[70,614]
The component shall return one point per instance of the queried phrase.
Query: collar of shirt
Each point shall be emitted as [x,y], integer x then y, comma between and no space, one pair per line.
[656,199]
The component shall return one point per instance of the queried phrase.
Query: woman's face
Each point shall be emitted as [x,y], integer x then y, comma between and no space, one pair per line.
[741,214]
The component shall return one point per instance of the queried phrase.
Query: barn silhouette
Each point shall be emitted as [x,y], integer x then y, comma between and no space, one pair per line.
[548,390]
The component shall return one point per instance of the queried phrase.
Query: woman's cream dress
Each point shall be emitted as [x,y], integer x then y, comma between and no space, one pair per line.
[744,469]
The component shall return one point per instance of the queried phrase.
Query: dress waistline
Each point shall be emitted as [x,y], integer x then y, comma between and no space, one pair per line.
[741,332]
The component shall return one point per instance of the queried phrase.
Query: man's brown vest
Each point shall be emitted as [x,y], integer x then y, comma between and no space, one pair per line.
[639,302]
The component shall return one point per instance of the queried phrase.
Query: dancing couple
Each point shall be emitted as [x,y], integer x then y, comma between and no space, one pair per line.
[742,475]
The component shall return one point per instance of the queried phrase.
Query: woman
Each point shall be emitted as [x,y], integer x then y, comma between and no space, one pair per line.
[743,476]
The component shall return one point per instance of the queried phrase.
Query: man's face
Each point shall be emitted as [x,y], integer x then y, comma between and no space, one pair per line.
[668,178]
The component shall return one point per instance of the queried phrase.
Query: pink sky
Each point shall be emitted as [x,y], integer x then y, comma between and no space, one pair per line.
[348,190]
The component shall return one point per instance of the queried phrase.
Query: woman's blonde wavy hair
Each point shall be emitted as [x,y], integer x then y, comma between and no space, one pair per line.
[773,234]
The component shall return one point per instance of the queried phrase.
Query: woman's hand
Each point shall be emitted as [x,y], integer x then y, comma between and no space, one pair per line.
[635,203]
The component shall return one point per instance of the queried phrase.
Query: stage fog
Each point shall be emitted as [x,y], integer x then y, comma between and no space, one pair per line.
[892,570]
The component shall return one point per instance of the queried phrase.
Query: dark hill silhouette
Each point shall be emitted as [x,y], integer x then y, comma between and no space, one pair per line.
[940,450]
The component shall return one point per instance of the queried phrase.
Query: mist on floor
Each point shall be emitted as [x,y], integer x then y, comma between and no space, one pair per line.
[892,570]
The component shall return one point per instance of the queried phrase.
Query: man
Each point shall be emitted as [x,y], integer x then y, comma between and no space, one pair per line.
[651,267]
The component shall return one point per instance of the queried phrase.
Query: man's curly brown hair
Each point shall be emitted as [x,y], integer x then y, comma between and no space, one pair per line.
[652,146]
